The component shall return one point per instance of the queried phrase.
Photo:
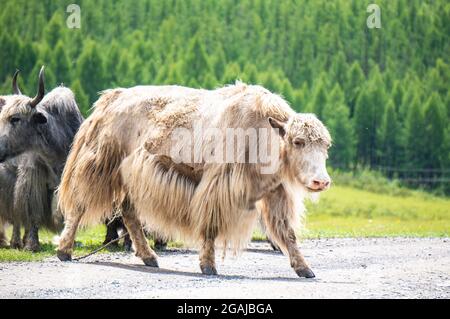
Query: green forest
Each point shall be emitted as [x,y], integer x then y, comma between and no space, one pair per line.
[382,92]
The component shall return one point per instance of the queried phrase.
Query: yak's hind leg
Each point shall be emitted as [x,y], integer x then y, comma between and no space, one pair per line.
[112,233]
[112,227]
[127,242]
[137,235]
[67,239]
[160,243]
[278,212]
[32,239]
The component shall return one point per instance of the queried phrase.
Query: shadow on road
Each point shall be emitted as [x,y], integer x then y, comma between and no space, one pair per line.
[162,271]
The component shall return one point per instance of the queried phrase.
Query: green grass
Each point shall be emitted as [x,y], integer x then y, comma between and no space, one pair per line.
[349,212]
[87,240]
[341,212]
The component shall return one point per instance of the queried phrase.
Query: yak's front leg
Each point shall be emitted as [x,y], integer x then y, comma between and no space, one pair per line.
[137,235]
[16,241]
[277,209]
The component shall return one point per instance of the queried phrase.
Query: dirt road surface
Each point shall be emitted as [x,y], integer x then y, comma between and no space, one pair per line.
[344,268]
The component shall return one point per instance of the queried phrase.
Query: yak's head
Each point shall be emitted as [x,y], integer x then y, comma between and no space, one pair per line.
[306,143]
[20,120]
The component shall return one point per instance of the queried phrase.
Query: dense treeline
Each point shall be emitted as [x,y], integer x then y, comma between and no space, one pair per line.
[382,92]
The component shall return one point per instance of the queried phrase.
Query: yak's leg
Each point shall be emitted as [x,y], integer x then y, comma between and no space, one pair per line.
[160,243]
[111,232]
[134,227]
[277,212]
[32,228]
[32,240]
[273,245]
[127,242]
[67,239]
[3,239]
[25,235]
[207,256]
[16,241]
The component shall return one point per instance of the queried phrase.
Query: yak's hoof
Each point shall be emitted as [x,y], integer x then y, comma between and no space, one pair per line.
[16,245]
[33,247]
[63,256]
[3,244]
[208,270]
[150,261]
[160,246]
[128,247]
[305,272]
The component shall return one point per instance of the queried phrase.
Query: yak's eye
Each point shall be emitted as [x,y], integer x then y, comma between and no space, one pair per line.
[299,142]
[14,120]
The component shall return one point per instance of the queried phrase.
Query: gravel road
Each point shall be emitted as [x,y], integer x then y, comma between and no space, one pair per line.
[344,268]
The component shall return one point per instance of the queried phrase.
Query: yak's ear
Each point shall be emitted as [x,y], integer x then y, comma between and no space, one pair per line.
[2,102]
[280,126]
[39,118]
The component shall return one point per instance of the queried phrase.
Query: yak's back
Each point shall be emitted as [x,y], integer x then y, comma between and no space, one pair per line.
[61,104]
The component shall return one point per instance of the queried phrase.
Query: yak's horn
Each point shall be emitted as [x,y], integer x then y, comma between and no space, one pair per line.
[15,86]
[41,89]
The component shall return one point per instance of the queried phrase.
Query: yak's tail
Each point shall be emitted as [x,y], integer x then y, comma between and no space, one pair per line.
[91,184]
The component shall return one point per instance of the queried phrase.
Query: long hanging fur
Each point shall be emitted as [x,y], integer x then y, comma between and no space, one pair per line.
[160,194]
[92,161]
[117,153]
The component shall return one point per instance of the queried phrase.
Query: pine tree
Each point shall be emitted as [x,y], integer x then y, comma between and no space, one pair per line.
[81,97]
[287,91]
[196,64]
[337,118]
[54,30]
[389,137]
[90,71]
[174,76]
[435,126]
[232,73]
[339,68]
[60,65]
[362,120]
[319,99]
[111,61]
[8,56]
[250,74]
[26,58]
[271,81]
[355,80]
[219,63]
[415,135]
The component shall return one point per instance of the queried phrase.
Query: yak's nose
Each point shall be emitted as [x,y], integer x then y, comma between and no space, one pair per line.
[320,184]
